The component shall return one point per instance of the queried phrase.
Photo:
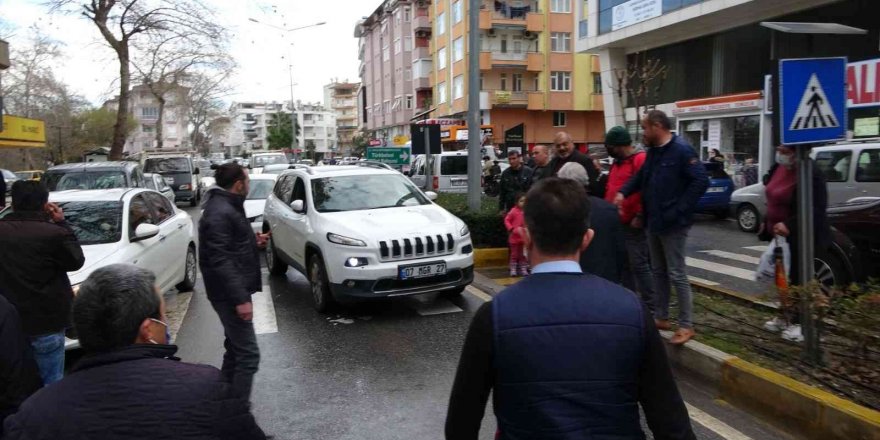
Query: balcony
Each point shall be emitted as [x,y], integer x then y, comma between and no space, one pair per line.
[529,60]
[422,83]
[509,99]
[421,23]
[420,53]
[500,14]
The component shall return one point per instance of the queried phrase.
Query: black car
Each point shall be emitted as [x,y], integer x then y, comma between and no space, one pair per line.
[94,175]
[855,254]
[179,173]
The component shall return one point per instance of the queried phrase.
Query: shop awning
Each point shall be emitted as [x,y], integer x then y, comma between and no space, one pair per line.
[18,132]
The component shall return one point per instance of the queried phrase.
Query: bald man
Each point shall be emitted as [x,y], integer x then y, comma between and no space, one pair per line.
[565,153]
[541,155]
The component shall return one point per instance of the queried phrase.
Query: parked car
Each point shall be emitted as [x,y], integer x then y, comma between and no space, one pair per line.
[364,232]
[29,175]
[716,199]
[854,225]
[156,183]
[259,160]
[748,206]
[94,175]
[9,177]
[179,172]
[136,226]
[449,172]
[255,202]
[274,169]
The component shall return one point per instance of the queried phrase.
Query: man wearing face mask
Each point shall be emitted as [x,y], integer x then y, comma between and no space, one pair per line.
[781,219]
[230,265]
[128,384]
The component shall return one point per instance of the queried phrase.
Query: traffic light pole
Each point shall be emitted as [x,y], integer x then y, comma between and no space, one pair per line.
[473,117]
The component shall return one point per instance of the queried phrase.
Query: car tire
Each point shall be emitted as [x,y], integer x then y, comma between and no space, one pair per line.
[276,265]
[190,270]
[747,218]
[830,269]
[453,293]
[320,285]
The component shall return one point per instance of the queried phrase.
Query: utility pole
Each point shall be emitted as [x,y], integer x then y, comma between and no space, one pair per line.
[473,117]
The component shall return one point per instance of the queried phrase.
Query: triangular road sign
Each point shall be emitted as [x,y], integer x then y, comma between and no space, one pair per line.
[814,110]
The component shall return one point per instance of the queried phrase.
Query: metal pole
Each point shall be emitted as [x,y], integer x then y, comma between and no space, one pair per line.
[429,164]
[292,113]
[805,254]
[473,118]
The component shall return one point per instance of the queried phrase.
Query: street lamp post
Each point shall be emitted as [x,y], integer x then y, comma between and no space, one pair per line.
[290,75]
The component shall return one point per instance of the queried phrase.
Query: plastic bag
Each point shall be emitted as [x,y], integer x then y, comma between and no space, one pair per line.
[766,272]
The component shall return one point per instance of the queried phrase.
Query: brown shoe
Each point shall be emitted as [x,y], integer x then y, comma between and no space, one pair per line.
[682,335]
[662,324]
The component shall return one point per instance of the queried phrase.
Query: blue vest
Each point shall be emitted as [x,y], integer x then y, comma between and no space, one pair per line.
[567,350]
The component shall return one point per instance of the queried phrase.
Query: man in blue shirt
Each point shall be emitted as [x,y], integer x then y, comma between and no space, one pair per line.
[566,355]
[671,182]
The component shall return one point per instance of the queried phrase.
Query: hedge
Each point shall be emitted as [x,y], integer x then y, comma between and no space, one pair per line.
[486,226]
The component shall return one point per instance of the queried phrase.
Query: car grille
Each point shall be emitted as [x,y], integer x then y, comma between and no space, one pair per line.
[416,247]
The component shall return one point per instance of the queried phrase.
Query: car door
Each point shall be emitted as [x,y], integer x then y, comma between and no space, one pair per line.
[837,170]
[300,229]
[418,175]
[148,253]
[867,175]
[278,213]
[172,240]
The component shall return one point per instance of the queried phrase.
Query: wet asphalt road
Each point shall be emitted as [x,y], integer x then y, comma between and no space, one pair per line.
[377,371]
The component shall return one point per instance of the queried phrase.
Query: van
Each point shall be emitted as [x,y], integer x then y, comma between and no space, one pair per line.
[179,173]
[449,172]
[94,175]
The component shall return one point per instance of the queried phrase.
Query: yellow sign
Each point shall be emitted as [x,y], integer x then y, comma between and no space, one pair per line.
[400,140]
[502,97]
[22,133]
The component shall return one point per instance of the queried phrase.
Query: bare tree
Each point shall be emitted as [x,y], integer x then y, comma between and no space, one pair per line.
[640,84]
[123,22]
[31,74]
[205,94]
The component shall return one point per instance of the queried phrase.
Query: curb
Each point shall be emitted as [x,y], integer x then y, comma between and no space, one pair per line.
[490,257]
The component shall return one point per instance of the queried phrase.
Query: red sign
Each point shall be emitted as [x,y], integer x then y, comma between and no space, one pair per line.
[375,142]
[863,84]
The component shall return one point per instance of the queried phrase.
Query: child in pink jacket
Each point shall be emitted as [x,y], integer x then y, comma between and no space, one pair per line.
[515,224]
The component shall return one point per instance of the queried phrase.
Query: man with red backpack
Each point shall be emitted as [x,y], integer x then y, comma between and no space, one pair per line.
[627,162]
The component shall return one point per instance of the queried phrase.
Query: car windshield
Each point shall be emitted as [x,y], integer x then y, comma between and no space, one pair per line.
[8,174]
[260,161]
[260,189]
[353,193]
[453,165]
[94,222]
[62,181]
[167,165]
[23,175]
[151,183]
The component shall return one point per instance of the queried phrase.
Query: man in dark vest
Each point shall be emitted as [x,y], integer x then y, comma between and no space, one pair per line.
[566,355]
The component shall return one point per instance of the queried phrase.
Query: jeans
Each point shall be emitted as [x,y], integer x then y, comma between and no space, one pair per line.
[49,354]
[667,260]
[640,264]
[242,358]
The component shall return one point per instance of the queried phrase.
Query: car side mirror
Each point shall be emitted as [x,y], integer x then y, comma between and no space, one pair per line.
[144,231]
[196,171]
[431,195]
[298,206]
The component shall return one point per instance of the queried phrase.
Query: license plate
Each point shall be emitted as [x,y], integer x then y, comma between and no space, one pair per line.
[169,180]
[421,270]
[716,189]
[459,182]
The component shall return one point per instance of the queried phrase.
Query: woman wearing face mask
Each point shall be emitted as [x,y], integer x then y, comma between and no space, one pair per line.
[781,220]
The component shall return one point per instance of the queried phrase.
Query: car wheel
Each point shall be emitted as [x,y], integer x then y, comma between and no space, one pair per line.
[273,261]
[453,293]
[320,285]
[830,270]
[747,218]
[190,271]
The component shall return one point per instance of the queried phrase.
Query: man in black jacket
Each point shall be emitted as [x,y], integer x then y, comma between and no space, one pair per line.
[37,249]
[514,180]
[129,385]
[566,152]
[541,158]
[19,376]
[230,265]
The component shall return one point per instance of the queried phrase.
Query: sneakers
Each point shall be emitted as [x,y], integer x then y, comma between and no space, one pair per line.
[793,333]
[776,324]
[682,335]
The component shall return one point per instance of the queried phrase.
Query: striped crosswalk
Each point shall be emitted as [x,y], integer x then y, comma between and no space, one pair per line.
[720,267]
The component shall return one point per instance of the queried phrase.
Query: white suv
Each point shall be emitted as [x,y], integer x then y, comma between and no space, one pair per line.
[362,232]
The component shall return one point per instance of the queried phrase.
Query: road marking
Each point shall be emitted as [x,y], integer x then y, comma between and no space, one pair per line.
[176,305]
[761,248]
[478,293]
[715,425]
[264,312]
[439,306]
[702,281]
[721,268]
[732,256]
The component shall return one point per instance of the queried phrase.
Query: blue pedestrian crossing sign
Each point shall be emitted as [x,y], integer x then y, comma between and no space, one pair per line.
[812,95]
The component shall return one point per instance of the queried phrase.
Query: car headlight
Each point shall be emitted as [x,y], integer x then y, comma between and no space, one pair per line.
[464,231]
[345,241]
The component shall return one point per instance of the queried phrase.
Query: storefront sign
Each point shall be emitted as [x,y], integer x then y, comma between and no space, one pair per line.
[748,104]
[460,133]
[635,11]
[441,122]
[400,140]
[394,156]
[866,127]
[515,136]
[863,84]
[22,133]
[375,142]
[714,137]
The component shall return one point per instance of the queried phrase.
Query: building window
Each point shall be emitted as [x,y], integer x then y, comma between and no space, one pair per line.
[148,129]
[582,29]
[456,12]
[559,119]
[386,54]
[406,15]
[441,93]
[458,87]
[150,112]
[441,58]
[397,17]
[560,42]
[503,81]
[597,83]
[560,6]
[397,101]
[517,82]
[481,81]
[407,74]
[537,83]
[409,102]
[458,49]
[396,45]
[407,44]
[441,24]
[560,81]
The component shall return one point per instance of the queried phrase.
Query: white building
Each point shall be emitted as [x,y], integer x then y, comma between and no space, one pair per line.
[249,124]
[145,110]
[318,125]
[342,99]
[220,135]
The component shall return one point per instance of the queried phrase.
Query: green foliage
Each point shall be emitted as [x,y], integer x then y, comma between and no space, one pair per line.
[486,226]
[310,149]
[280,131]
[359,145]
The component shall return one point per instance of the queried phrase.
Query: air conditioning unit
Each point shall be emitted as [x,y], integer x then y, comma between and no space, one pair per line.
[530,35]
[490,32]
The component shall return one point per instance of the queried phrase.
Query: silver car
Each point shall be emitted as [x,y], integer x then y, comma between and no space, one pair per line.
[156,182]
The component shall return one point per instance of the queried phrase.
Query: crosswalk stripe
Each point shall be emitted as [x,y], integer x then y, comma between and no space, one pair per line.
[720,268]
[717,426]
[264,312]
[703,281]
[176,305]
[732,256]
[478,293]
[761,248]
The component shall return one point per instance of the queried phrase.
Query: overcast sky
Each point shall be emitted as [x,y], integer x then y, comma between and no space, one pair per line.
[319,54]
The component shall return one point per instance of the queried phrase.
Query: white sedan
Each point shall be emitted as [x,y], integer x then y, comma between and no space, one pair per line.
[255,203]
[131,225]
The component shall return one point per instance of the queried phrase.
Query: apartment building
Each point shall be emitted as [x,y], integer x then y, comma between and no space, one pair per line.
[718,58]
[220,133]
[249,122]
[144,109]
[387,45]
[318,126]
[341,99]
[532,83]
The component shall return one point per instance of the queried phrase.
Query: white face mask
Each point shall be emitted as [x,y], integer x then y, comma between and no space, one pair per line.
[784,159]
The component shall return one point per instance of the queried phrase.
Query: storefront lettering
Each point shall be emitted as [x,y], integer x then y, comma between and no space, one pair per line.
[863,84]
[736,105]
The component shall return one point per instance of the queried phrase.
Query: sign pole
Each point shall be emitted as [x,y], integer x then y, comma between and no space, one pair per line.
[805,253]
[429,166]
[473,122]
